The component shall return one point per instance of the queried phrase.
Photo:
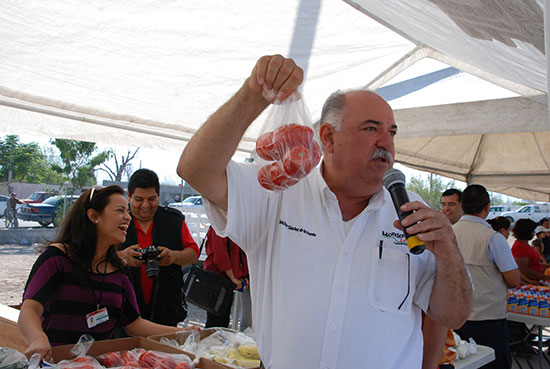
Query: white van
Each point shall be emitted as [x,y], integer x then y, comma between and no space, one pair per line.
[534,212]
[497,210]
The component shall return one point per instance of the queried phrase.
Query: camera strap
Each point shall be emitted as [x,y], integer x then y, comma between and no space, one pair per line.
[154,298]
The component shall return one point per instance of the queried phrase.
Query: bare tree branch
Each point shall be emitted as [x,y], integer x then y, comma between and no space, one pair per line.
[120,169]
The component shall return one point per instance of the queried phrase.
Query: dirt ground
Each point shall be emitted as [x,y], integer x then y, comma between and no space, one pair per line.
[15,265]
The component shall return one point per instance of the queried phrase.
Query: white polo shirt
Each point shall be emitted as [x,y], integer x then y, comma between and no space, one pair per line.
[321,299]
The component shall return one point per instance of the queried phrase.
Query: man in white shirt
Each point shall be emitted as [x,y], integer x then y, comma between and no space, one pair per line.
[333,283]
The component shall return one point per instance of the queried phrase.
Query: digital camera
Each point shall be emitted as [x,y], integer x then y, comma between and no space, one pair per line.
[150,256]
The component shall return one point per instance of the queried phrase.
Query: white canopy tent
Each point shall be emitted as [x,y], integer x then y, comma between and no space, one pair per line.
[149,72]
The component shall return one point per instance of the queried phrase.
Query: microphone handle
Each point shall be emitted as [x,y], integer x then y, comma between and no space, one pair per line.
[399,197]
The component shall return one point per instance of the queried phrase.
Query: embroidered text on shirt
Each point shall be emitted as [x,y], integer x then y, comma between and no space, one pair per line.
[292,228]
[398,238]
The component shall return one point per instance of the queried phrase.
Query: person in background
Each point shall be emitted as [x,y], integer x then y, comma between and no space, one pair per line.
[451,204]
[76,285]
[321,252]
[11,204]
[545,222]
[501,225]
[13,201]
[542,242]
[493,270]
[528,258]
[227,259]
[438,338]
[160,299]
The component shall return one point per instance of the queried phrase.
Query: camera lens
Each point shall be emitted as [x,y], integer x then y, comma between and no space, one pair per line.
[152,267]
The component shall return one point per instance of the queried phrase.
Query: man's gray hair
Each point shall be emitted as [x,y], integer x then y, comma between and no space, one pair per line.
[334,109]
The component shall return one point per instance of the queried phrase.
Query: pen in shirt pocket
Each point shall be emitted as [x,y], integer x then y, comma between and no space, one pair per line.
[380,248]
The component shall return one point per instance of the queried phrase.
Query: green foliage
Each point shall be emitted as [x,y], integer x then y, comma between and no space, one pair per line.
[27,162]
[496,199]
[429,190]
[78,161]
[62,211]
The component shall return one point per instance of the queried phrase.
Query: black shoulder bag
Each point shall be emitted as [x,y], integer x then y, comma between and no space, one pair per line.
[206,289]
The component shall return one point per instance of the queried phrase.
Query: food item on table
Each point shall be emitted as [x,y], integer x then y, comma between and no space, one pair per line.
[81,362]
[143,359]
[112,359]
[156,360]
[234,357]
[249,350]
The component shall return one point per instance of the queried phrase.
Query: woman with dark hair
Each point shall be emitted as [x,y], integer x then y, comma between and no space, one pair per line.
[76,285]
[527,258]
[501,225]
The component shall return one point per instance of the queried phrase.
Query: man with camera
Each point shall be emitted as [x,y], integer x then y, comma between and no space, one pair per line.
[158,244]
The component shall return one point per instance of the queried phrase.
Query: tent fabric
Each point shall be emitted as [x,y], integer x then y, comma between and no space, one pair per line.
[167,65]
[502,143]
[149,73]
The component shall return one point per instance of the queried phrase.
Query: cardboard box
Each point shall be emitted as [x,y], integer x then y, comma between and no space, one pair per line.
[180,337]
[119,344]
[10,335]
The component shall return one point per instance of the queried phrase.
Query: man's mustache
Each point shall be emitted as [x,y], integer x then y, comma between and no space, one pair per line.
[382,153]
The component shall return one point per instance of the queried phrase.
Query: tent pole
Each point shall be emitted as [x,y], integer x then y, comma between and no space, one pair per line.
[100,122]
[419,52]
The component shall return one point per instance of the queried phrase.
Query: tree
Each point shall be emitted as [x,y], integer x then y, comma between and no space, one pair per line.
[26,161]
[123,168]
[78,161]
[496,199]
[431,190]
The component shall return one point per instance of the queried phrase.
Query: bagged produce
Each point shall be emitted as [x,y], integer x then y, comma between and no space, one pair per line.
[286,148]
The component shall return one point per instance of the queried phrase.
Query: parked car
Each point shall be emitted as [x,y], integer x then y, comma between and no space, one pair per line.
[3,204]
[192,201]
[497,210]
[44,212]
[534,212]
[37,197]
[188,203]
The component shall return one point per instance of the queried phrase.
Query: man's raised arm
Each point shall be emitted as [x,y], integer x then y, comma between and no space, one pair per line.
[203,161]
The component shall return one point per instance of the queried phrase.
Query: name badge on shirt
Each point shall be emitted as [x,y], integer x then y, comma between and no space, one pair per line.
[97,317]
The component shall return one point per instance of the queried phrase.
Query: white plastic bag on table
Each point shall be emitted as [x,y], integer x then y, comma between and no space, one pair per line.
[234,349]
[286,147]
[82,361]
[11,358]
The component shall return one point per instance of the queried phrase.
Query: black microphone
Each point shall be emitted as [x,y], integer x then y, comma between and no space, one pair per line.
[394,181]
